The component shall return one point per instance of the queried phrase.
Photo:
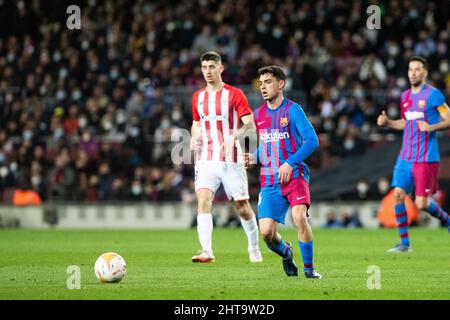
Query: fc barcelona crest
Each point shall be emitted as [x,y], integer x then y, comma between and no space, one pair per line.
[284,122]
[422,103]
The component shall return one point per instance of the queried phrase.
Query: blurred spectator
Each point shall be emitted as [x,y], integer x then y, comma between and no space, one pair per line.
[105,182]
[383,186]
[350,219]
[361,191]
[205,41]
[92,192]
[118,192]
[332,221]
[188,194]
[61,179]
[89,145]
[71,122]
[137,190]
[362,188]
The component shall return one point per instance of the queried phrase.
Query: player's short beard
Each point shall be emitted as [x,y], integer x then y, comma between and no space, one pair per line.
[417,83]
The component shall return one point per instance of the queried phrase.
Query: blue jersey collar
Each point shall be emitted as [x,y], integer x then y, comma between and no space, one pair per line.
[276,109]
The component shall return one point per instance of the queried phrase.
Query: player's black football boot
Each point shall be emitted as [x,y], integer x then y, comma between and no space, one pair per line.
[288,263]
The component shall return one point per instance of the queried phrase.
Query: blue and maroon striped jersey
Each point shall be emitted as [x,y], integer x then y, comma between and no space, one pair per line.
[424,105]
[285,135]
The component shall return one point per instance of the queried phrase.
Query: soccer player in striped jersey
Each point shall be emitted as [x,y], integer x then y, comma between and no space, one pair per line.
[218,110]
[423,113]
[286,139]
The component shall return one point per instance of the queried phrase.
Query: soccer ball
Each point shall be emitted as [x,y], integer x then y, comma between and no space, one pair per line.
[110,267]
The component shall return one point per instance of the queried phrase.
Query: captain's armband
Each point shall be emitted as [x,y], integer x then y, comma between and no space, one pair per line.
[443,109]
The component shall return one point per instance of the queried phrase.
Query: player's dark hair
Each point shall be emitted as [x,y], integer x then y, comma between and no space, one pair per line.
[420,59]
[275,71]
[211,56]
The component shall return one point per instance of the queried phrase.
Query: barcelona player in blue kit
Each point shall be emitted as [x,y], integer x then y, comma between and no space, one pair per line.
[286,139]
[424,112]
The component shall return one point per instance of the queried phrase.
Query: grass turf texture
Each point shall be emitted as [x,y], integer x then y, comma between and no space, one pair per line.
[33,265]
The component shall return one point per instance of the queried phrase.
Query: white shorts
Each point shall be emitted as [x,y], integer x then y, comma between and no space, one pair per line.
[232,175]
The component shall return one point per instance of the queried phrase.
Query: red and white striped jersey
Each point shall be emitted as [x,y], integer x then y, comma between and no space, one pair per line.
[219,114]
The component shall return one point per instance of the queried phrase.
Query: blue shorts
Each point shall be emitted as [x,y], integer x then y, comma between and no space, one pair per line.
[403,176]
[274,201]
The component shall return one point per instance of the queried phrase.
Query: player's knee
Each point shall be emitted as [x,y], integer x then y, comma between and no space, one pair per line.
[300,220]
[241,206]
[300,216]
[268,234]
[244,209]
[205,200]
[399,196]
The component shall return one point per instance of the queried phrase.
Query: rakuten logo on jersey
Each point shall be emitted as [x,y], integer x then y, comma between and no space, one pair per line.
[273,136]
[414,115]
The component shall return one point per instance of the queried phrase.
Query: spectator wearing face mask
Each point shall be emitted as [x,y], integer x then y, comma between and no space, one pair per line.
[361,191]
[137,191]
[362,188]
[383,186]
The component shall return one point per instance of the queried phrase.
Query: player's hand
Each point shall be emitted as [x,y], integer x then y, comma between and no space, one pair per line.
[382,119]
[228,144]
[424,126]
[249,160]
[195,143]
[284,173]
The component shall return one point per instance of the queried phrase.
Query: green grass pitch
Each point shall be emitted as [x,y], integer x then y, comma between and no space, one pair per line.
[33,265]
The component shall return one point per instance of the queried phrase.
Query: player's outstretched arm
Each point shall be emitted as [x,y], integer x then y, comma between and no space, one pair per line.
[384,121]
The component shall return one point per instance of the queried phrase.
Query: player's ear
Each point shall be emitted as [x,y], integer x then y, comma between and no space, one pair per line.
[281,84]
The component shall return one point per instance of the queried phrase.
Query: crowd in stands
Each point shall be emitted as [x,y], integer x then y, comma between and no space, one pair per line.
[88,114]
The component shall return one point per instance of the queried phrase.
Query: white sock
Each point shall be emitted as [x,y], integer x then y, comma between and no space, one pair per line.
[251,230]
[204,229]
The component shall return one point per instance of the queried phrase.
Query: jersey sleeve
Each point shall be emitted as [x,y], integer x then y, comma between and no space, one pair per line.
[307,133]
[240,103]
[195,114]
[437,100]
